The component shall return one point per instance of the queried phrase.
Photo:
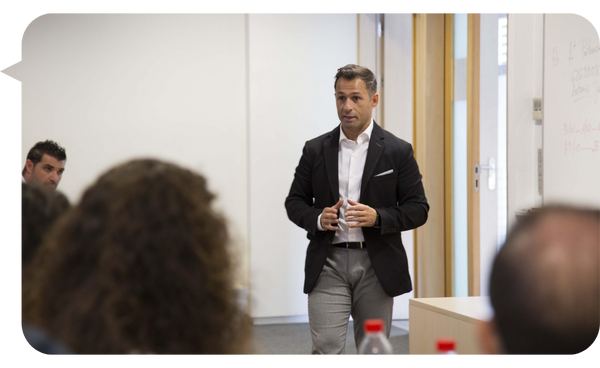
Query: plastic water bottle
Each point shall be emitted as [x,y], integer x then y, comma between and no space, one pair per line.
[445,346]
[375,341]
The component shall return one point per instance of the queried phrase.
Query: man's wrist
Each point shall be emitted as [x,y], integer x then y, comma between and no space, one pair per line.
[377,223]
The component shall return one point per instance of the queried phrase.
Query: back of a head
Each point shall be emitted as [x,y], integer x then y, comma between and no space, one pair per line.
[140,264]
[545,283]
[39,210]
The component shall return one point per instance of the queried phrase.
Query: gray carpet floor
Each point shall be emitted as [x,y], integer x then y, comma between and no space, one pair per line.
[294,338]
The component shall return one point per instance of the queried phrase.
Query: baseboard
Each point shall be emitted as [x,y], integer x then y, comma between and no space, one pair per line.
[280,320]
[400,323]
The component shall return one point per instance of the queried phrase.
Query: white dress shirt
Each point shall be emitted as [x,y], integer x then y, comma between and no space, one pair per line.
[351,165]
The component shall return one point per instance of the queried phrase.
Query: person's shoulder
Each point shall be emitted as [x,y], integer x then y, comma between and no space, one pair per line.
[318,141]
[395,142]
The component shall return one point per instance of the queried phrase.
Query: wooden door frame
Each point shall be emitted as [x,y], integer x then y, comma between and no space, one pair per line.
[473,70]
[428,144]
[434,260]
[448,167]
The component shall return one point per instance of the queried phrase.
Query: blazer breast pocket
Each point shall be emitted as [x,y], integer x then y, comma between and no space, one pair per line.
[383,187]
[384,176]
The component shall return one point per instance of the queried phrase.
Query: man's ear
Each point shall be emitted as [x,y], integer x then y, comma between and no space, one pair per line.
[374,100]
[488,337]
[29,166]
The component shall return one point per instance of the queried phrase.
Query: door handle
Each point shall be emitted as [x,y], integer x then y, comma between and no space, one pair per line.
[491,167]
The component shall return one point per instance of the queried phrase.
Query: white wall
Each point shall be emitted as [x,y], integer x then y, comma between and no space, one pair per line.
[293,61]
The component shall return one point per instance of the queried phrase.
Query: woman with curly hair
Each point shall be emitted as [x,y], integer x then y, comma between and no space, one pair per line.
[141,264]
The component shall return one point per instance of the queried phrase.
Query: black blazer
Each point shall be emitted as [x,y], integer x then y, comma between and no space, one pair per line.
[399,199]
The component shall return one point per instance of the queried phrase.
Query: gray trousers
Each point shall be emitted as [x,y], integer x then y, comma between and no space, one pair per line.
[346,286]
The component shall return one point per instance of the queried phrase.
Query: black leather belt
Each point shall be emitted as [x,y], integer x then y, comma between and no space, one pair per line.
[351,245]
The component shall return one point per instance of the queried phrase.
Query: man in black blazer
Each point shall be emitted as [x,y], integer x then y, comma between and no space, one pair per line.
[355,190]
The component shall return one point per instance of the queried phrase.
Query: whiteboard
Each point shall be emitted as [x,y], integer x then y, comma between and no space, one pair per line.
[571,111]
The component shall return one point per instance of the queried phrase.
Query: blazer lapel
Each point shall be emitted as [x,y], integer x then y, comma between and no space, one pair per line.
[330,151]
[376,148]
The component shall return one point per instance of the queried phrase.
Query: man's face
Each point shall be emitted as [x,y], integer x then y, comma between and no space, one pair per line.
[46,173]
[354,105]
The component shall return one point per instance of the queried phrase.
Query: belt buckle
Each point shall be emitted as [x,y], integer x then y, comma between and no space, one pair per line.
[348,245]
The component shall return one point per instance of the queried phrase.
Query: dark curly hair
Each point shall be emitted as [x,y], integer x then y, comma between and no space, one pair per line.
[39,210]
[141,264]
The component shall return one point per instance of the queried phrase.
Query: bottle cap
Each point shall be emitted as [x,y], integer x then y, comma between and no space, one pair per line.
[445,344]
[374,325]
